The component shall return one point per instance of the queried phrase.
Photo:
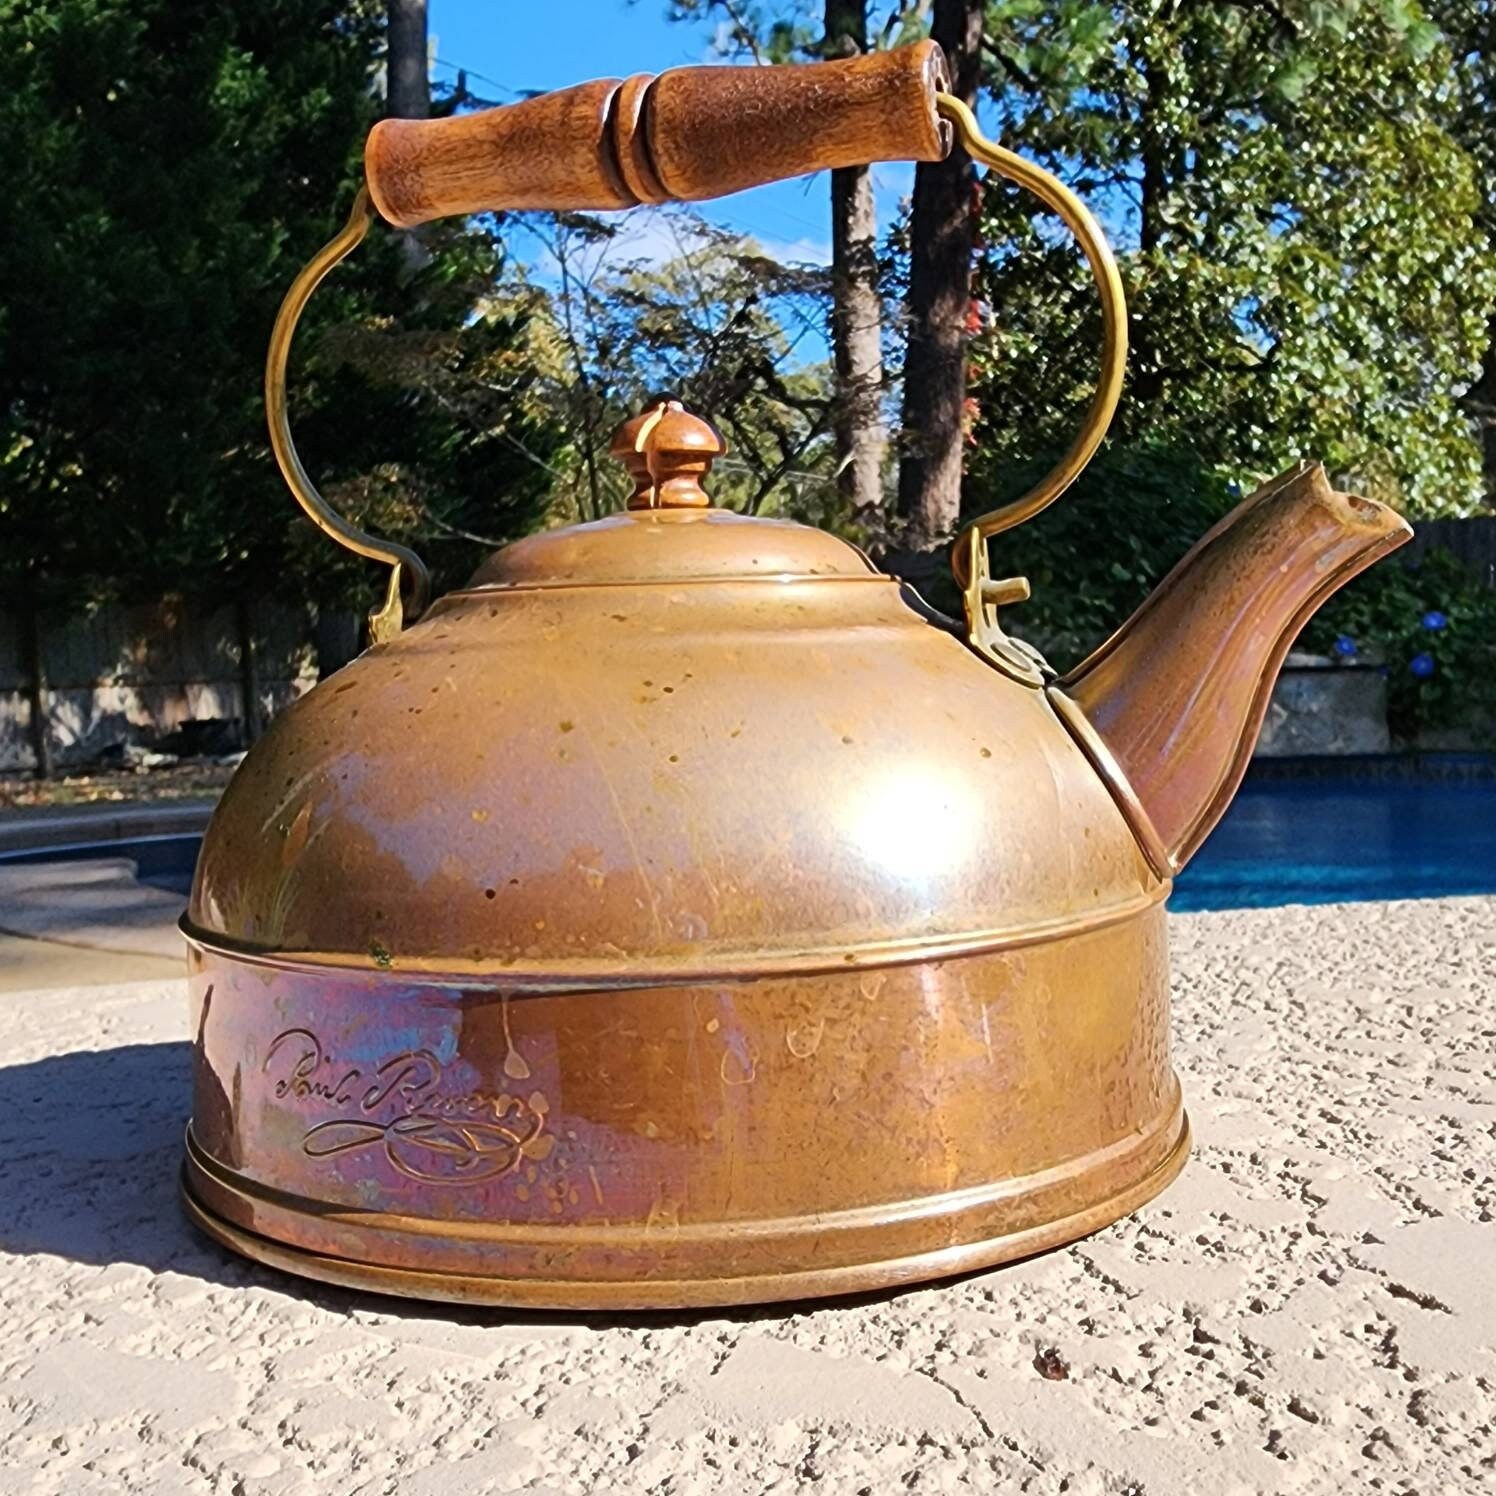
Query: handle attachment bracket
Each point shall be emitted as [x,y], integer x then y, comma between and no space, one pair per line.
[983,596]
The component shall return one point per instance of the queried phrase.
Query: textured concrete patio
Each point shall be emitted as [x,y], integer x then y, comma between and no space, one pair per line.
[1311,1308]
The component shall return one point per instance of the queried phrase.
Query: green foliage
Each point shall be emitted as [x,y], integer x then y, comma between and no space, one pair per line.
[1469,27]
[169,166]
[1300,231]
[1094,556]
[775,31]
[1295,226]
[426,424]
[1434,627]
[136,247]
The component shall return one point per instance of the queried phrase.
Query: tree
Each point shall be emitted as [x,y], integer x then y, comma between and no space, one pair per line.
[468,465]
[170,165]
[167,168]
[423,421]
[408,92]
[712,321]
[1296,229]
[1470,29]
[942,236]
[841,29]
[856,307]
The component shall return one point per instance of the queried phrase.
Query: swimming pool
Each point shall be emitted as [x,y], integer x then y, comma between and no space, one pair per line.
[1339,841]
[1284,841]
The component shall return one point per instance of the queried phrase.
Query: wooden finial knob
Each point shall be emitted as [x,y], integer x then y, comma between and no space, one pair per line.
[627,447]
[667,451]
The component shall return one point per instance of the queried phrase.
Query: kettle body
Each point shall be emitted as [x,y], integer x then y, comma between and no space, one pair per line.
[706,937]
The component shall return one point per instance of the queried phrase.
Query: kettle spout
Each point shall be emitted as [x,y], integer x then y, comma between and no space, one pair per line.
[1175,699]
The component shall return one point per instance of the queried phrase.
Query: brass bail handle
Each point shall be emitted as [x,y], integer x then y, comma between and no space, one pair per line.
[687,135]
[387,620]
[969,554]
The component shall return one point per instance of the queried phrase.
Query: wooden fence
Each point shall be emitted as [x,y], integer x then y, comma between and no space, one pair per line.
[1473,541]
[72,687]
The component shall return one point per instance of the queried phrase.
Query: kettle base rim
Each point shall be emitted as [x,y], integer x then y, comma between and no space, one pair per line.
[647,1293]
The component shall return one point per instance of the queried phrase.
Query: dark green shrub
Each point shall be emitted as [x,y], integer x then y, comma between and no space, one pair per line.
[1432,626]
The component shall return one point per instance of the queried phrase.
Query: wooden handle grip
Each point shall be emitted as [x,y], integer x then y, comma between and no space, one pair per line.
[686,135]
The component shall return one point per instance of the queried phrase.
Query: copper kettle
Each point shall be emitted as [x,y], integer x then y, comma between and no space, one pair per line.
[682,912]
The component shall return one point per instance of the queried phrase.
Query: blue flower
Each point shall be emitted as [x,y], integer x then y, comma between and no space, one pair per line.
[1434,621]
[1345,647]
[1422,665]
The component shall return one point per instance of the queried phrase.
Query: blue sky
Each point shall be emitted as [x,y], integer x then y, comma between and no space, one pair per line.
[508,47]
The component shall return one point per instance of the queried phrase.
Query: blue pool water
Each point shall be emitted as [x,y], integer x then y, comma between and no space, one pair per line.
[1283,841]
[161,861]
[1334,841]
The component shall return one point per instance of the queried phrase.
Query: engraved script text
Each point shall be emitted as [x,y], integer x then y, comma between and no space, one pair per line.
[428,1130]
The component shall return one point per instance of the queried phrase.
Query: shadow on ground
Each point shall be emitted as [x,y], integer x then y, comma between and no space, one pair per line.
[90,1146]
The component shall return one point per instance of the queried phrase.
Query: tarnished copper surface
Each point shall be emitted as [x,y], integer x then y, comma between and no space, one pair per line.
[648,926]
[1180,691]
[644,928]
[706,1143]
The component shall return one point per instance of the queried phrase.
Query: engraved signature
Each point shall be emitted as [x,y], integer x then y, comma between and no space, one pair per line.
[437,1134]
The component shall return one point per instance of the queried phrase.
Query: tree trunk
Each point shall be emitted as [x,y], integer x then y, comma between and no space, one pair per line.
[33,662]
[249,672]
[857,309]
[942,235]
[408,85]
[407,93]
